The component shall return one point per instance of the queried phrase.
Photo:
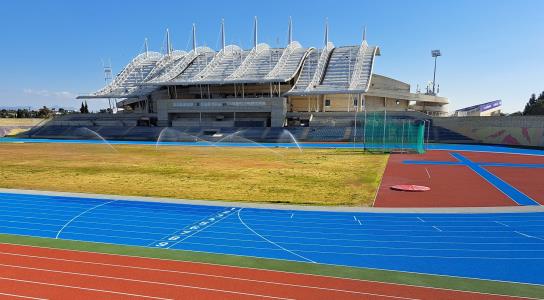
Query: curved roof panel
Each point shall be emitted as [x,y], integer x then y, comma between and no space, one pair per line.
[289,63]
[132,76]
[330,70]
[201,54]
[339,70]
[259,62]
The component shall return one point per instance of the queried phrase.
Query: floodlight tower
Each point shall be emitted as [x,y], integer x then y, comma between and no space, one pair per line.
[435,54]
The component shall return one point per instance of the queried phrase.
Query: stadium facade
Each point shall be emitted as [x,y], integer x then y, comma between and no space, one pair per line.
[260,87]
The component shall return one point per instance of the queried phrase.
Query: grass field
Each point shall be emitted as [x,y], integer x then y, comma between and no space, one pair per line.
[312,177]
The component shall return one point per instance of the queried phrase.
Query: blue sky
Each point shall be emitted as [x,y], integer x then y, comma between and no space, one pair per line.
[53,50]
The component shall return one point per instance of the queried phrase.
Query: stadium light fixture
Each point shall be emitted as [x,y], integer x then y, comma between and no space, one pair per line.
[435,54]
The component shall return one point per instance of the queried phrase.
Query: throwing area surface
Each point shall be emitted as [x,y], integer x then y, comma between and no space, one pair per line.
[505,246]
[463,179]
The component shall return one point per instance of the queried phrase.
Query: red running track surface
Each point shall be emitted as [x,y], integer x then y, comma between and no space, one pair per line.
[451,186]
[43,273]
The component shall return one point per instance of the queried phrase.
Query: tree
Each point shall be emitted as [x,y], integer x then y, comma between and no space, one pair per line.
[535,106]
[44,112]
[82,108]
[86,108]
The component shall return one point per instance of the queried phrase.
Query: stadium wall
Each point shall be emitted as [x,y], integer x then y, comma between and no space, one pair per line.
[514,130]
[13,130]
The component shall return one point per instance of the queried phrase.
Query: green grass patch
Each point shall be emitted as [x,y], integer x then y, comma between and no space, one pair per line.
[313,177]
[462,284]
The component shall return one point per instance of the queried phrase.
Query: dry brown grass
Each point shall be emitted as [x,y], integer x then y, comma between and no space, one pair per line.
[317,177]
[19,122]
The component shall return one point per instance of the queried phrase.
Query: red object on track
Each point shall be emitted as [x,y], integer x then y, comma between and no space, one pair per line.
[45,273]
[410,188]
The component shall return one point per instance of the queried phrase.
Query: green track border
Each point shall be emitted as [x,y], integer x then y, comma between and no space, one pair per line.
[423,280]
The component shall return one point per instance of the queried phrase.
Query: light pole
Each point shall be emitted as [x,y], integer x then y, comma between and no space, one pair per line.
[435,54]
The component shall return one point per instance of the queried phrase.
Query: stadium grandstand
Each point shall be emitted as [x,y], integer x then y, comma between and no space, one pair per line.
[258,87]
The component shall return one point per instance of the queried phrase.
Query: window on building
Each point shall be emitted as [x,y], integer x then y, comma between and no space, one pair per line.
[327,102]
[355,102]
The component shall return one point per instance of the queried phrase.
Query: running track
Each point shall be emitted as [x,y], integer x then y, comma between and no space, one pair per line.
[499,246]
[448,147]
[42,273]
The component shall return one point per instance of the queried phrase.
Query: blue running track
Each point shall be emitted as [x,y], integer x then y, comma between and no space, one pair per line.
[495,246]
[449,147]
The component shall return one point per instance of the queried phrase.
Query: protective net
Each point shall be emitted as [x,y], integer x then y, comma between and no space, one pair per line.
[375,131]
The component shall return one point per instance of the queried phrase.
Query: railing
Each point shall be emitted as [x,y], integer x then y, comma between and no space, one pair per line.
[359,63]
[374,53]
[217,60]
[290,49]
[136,63]
[321,65]
[163,63]
[176,69]
[254,54]
[308,69]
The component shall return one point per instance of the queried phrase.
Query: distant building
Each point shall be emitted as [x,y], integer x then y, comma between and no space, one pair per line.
[260,87]
[492,108]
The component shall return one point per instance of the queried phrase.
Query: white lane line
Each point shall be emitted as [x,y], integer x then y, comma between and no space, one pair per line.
[357,219]
[146,281]
[81,288]
[74,218]
[369,238]
[219,246]
[21,296]
[437,228]
[199,274]
[529,236]
[501,223]
[523,234]
[277,222]
[377,227]
[334,245]
[340,245]
[119,224]
[421,219]
[325,235]
[132,210]
[308,217]
[197,231]
[359,254]
[428,174]
[279,246]
[287,272]
[71,202]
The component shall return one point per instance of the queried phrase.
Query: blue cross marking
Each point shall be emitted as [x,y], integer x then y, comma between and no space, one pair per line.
[510,191]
